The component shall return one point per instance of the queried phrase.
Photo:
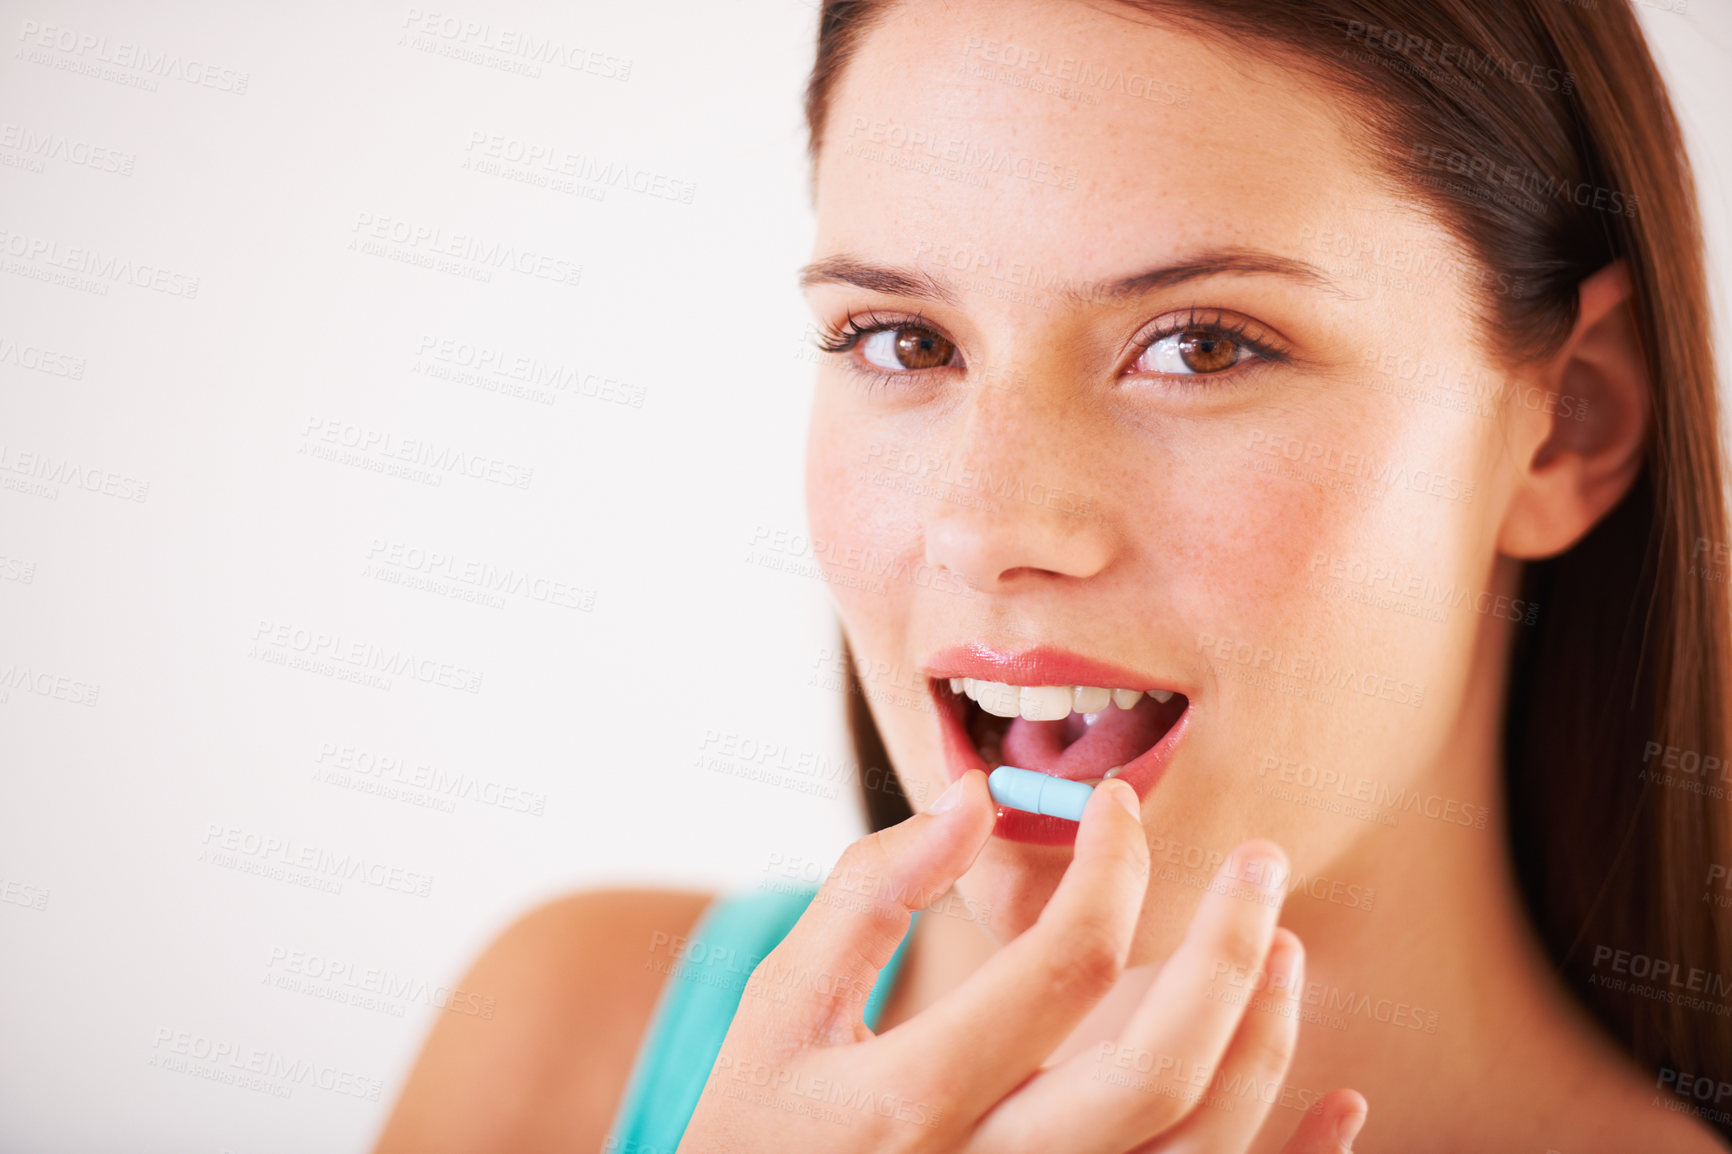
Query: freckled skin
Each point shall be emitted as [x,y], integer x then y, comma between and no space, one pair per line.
[1185,511]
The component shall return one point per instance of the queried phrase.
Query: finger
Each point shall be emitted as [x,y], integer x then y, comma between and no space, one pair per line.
[1195,1005]
[1147,1080]
[1237,1098]
[1028,997]
[816,981]
[1331,1126]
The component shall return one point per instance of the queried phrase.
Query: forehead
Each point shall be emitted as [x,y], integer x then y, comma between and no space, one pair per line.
[1060,134]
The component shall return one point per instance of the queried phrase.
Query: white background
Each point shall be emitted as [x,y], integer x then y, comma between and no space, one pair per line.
[169,782]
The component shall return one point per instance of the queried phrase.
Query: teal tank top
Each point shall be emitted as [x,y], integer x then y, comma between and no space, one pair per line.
[696,1006]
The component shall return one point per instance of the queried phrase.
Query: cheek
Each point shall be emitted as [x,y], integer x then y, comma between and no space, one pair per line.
[1320,572]
[864,516]
[1322,547]
[865,527]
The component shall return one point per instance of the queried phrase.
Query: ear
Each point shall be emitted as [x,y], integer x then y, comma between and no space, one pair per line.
[1590,429]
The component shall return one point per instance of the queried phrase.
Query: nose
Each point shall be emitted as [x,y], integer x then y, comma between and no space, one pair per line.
[1020,508]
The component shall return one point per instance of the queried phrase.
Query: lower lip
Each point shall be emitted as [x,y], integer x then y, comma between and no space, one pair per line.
[1142,772]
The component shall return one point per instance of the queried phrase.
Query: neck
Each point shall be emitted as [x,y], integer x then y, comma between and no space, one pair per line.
[1442,988]
[1441,984]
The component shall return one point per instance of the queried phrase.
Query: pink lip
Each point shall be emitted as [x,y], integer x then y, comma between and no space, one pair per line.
[1042,665]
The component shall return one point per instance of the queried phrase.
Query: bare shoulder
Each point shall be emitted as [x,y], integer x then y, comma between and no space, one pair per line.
[537,1044]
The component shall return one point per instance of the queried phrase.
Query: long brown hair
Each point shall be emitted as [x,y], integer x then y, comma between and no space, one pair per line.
[1541,133]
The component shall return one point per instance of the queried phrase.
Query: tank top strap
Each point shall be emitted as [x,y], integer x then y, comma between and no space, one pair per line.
[697,1005]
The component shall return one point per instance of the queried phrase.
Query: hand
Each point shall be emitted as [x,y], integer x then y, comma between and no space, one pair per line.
[799,1070]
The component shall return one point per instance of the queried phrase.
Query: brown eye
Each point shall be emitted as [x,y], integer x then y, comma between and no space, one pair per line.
[906,349]
[1206,352]
[1194,352]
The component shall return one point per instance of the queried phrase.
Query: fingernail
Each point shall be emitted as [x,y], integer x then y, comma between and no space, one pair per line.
[1125,795]
[1347,1129]
[949,799]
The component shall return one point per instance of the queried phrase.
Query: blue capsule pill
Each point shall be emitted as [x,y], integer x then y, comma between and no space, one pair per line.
[1025,789]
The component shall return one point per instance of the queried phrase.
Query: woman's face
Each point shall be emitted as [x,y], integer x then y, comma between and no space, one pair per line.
[1284,508]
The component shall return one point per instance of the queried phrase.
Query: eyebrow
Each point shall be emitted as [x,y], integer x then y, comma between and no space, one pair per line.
[919,285]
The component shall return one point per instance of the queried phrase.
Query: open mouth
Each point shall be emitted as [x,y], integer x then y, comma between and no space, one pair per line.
[1080,732]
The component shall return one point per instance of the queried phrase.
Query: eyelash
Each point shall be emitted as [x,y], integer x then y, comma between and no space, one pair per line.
[1240,330]
[842,338]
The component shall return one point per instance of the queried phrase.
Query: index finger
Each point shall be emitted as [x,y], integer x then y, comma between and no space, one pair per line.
[990,1033]
[861,913]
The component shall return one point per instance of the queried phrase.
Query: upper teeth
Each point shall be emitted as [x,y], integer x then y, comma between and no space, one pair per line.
[1049,702]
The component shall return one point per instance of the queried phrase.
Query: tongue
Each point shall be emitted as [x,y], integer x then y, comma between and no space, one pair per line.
[1071,748]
